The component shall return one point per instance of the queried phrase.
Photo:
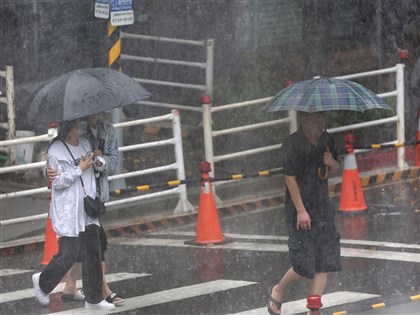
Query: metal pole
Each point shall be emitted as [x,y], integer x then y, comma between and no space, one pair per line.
[183,204]
[208,138]
[10,96]
[293,121]
[114,57]
[400,114]
[208,141]
[209,67]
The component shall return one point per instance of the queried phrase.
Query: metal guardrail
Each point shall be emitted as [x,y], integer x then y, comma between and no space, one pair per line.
[206,87]
[210,134]
[183,204]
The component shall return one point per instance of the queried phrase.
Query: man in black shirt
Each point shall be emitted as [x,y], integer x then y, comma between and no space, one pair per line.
[314,246]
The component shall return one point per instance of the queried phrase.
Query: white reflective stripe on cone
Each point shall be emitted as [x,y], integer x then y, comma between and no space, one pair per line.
[350,162]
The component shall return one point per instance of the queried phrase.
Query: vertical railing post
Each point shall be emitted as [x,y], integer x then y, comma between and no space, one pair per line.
[207,132]
[11,112]
[400,114]
[209,67]
[183,203]
[292,113]
[293,121]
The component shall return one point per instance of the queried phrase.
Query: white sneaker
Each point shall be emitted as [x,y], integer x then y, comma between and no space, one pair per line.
[40,295]
[101,306]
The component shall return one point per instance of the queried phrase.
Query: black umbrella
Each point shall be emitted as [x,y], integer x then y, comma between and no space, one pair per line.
[81,93]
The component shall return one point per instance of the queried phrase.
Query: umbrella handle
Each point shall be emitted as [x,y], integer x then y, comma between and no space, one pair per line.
[325,176]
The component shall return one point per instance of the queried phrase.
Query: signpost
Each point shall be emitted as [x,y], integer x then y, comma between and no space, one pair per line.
[121,14]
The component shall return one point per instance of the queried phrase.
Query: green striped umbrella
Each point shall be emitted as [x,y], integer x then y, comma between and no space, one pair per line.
[325,94]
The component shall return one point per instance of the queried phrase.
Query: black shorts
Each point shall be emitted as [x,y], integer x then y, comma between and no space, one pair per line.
[316,250]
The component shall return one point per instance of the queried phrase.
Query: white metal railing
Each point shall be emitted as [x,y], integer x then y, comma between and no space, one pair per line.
[207,87]
[183,204]
[210,134]
[398,119]
[9,100]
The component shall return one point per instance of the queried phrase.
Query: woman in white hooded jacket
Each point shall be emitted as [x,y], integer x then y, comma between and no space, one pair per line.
[77,232]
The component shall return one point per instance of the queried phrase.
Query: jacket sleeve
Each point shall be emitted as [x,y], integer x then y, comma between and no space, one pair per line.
[60,161]
[110,153]
[67,175]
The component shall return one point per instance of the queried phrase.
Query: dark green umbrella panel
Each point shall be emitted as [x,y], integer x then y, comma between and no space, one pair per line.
[324,95]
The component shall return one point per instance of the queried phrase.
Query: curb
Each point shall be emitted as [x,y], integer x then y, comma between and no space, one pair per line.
[152,224]
[380,178]
[380,303]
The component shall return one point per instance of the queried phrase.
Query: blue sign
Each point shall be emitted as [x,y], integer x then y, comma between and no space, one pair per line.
[122,12]
[121,5]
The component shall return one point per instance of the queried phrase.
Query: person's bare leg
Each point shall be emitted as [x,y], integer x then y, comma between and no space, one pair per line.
[318,283]
[106,291]
[72,275]
[289,278]
[317,287]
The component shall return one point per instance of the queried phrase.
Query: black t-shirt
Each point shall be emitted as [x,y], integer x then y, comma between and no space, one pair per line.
[302,159]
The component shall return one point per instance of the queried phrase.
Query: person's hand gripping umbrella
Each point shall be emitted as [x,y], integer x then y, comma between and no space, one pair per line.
[327,159]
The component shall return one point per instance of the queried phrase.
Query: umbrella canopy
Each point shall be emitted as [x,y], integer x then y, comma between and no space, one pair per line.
[81,93]
[325,94]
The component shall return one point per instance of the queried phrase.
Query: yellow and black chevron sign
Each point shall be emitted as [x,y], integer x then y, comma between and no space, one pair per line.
[114,54]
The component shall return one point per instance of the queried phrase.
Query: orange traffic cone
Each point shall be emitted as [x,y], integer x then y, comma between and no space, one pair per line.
[208,230]
[351,198]
[51,243]
[418,144]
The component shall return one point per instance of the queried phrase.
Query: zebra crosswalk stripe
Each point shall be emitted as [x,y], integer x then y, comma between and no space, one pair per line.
[168,296]
[11,272]
[345,252]
[285,238]
[328,300]
[28,293]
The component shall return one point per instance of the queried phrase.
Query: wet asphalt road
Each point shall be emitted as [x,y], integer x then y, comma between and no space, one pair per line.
[160,274]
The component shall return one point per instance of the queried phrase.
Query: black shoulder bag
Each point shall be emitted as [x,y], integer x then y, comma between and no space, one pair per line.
[93,207]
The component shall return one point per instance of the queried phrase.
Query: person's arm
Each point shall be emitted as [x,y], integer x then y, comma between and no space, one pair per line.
[110,150]
[329,161]
[303,218]
[65,178]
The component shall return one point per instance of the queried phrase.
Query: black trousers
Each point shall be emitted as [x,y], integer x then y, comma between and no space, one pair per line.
[88,246]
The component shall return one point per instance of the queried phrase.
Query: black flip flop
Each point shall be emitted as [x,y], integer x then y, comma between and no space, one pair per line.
[115,298]
[275,302]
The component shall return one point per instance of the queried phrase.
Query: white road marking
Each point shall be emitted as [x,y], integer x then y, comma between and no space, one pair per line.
[328,300]
[28,293]
[9,272]
[380,254]
[345,252]
[285,238]
[168,296]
